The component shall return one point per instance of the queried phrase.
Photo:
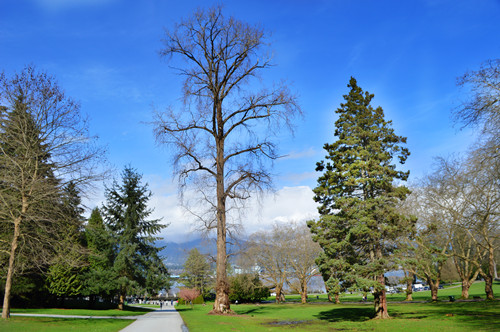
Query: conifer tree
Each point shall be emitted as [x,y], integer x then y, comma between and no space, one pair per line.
[358,196]
[99,277]
[136,262]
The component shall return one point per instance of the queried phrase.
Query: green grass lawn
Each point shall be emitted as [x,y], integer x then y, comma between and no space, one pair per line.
[44,324]
[441,316]
[24,324]
[317,316]
[128,311]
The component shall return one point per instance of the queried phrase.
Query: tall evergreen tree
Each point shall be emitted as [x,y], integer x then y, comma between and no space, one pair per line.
[136,262]
[358,196]
[99,277]
[65,274]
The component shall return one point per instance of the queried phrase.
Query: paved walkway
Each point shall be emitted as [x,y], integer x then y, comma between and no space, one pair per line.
[167,320]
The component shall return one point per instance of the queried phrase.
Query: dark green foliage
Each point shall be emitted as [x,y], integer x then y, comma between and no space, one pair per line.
[64,276]
[358,196]
[247,288]
[136,258]
[197,272]
[99,277]
[64,280]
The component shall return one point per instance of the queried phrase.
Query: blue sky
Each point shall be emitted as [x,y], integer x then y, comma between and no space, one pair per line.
[104,53]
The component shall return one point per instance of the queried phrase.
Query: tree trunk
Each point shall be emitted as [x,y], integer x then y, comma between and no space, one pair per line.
[337,297]
[488,287]
[330,299]
[221,304]
[10,270]
[488,279]
[434,285]
[381,301]
[465,288]
[409,290]
[303,293]
[121,303]
[278,294]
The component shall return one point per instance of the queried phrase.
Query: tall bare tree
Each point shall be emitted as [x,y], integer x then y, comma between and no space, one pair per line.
[222,137]
[44,144]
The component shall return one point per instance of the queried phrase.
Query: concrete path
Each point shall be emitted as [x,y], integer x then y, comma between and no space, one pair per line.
[167,320]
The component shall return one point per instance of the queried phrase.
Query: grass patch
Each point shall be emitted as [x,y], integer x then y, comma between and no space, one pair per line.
[407,317]
[128,311]
[45,324]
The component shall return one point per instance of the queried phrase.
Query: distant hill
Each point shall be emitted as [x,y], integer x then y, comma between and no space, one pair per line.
[175,254]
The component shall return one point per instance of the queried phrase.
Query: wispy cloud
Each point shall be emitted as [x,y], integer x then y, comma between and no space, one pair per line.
[62,5]
[311,152]
[297,178]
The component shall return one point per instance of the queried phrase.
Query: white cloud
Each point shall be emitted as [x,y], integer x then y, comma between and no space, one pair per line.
[286,204]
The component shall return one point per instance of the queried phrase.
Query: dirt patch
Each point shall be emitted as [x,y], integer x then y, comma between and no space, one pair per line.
[288,322]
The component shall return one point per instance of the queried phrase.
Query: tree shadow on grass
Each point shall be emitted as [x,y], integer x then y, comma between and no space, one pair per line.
[346,314]
[257,310]
[481,316]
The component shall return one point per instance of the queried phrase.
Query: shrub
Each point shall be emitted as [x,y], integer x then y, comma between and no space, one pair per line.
[198,300]
[247,288]
[189,295]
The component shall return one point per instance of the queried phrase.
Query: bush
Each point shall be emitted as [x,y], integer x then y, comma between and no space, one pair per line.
[198,300]
[247,288]
[189,296]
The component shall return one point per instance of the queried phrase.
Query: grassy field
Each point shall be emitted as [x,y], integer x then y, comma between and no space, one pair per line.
[317,316]
[24,324]
[441,316]
[128,311]
[314,316]
[45,324]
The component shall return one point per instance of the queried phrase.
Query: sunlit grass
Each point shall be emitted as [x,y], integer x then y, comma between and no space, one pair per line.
[446,316]
[45,324]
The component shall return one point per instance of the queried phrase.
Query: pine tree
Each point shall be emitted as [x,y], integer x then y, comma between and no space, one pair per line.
[136,262]
[358,196]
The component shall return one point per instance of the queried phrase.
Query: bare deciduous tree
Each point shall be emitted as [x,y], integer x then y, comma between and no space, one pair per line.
[269,252]
[483,108]
[302,252]
[44,144]
[223,136]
